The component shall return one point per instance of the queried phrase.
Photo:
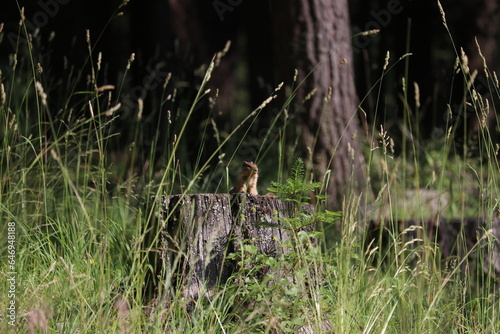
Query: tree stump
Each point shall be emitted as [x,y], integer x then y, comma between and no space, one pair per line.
[198,231]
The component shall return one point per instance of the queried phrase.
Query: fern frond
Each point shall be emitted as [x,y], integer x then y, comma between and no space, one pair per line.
[295,187]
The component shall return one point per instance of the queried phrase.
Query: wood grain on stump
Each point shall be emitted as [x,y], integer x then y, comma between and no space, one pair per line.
[198,232]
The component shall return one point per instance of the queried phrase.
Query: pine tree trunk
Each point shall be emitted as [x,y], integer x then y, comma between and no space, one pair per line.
[314,37]
[199,231]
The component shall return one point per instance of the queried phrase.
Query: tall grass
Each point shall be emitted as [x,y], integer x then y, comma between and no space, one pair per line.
[82,217]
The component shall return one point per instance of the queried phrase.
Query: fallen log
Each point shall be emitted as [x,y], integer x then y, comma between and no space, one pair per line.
[474,238]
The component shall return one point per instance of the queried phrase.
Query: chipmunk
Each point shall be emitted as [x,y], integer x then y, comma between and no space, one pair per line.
[247,179]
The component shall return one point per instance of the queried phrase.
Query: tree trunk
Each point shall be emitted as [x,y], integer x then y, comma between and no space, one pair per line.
[199,231]
[313,36]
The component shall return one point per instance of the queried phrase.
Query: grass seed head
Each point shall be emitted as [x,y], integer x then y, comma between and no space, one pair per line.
[41,93]
[3,95]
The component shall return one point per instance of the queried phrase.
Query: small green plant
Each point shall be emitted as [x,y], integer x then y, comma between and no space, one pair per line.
[295,188]
[277,292]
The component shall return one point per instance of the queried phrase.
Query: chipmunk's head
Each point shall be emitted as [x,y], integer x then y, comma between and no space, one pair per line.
[250,168]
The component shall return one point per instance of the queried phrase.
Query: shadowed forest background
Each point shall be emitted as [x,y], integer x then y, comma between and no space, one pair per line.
[178,40]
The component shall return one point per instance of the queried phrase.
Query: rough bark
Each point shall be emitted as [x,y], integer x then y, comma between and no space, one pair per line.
[313,37]
[199,231]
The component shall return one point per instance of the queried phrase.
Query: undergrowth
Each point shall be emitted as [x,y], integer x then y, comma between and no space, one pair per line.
[81,215]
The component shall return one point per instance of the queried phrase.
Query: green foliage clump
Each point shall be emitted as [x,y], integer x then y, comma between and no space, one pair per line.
[295,188]
[270,292]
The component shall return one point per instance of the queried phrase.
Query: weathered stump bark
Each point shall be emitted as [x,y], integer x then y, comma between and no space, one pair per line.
[199,231]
